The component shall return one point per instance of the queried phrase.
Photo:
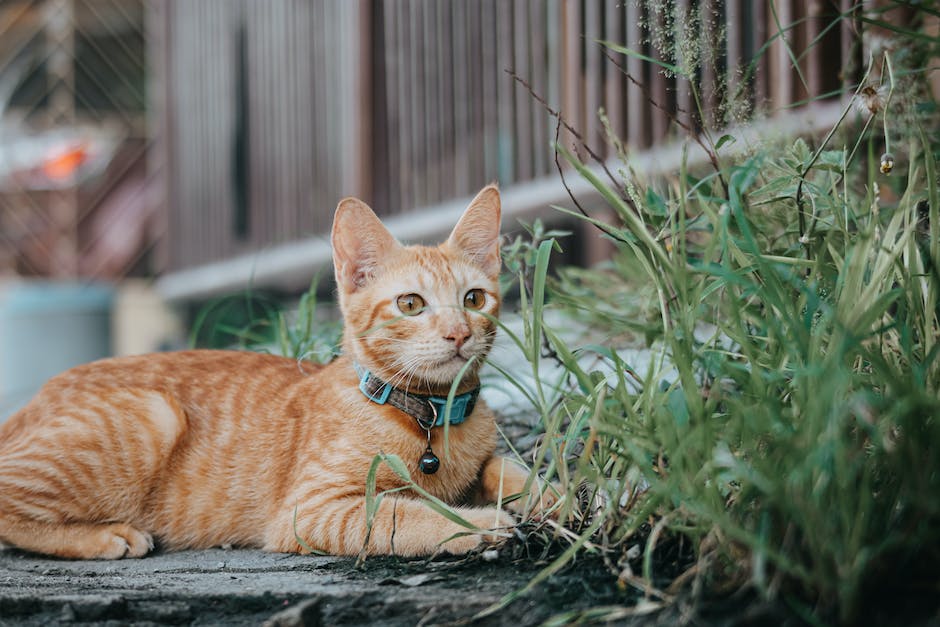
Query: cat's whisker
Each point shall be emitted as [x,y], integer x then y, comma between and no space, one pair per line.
[405,372]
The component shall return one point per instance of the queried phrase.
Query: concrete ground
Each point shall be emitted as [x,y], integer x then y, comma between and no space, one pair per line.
[247,587]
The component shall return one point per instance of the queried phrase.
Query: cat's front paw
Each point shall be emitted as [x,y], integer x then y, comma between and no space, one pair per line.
[495,523]
[504,482]
[539,503]
[118,541]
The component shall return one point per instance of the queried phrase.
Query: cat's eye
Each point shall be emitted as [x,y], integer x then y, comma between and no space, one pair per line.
[410,304]
[475,299]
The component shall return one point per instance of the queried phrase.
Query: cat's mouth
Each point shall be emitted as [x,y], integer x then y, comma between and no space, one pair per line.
[456,357]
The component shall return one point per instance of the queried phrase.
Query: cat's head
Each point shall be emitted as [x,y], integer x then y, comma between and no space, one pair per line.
[414,315]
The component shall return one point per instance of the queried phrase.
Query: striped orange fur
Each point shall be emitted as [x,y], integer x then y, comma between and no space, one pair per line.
[207,448]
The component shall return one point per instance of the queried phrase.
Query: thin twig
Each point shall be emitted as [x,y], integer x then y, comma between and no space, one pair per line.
[570,129]
[561,172]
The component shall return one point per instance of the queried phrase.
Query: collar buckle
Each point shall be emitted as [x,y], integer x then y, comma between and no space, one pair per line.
[379,395]
[458,409]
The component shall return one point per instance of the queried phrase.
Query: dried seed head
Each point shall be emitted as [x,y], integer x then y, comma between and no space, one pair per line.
[887,163]
[871,99]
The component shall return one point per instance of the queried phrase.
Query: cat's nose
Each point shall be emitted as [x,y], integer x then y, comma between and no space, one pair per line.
[458,335]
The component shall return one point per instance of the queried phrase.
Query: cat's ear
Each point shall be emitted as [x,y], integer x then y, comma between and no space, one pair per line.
[477,232]
[360,242]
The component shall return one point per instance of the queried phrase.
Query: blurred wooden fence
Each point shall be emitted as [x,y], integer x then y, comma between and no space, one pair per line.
[271,111]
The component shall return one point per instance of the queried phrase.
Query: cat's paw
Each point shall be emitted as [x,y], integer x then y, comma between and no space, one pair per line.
[119,540]
[497,522]
[540,502]
[504,482]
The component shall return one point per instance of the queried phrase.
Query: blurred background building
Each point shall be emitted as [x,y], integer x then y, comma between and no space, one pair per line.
[170,151]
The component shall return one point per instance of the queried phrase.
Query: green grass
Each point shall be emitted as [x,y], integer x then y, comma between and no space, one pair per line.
[789,424]
[258,322]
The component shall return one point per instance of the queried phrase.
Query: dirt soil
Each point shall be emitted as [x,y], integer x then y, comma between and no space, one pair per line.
[246,587]
[249,587]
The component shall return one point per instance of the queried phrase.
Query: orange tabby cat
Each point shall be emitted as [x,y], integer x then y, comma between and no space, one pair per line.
[207,448]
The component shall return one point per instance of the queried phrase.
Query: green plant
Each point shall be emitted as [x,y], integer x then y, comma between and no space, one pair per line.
[519,254]
[253,321]
[241,320]
[787,421]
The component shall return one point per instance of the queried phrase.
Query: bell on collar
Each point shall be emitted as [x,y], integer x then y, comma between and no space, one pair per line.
[429,462]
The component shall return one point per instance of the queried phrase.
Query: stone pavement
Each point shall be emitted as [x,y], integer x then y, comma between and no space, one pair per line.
[248,587]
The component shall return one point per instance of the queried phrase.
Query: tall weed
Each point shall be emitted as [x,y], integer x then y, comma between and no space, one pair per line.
[788,424]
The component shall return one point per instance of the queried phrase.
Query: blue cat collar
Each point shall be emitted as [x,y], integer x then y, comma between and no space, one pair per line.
[429,411]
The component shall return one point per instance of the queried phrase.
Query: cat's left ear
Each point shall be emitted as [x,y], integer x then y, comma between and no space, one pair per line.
[477,232]
[360,243]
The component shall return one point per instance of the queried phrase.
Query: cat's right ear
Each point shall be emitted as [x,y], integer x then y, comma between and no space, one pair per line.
[360,242]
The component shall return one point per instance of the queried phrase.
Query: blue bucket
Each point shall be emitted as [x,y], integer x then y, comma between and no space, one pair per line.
[47,327]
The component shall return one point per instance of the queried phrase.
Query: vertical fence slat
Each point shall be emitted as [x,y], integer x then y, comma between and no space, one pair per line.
[293,124]
[444,105]
[507,92]
[433,63]
[613,78]
[684,21]
[523,118]
[485,94]
[538,74]
[275,71]
[811,63]
[419,104]
[314,74]
[177,143]
[160,50]
[461,78]
[591,80]
[194,154]
[571,81]
[405,201]
[263,148]
[553,61]
[847,43]
[734,47]
[762,63]
[781,77]
[637,126]
[389,58]
[203,233]
[659,90]
[710,58]
[361,122]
